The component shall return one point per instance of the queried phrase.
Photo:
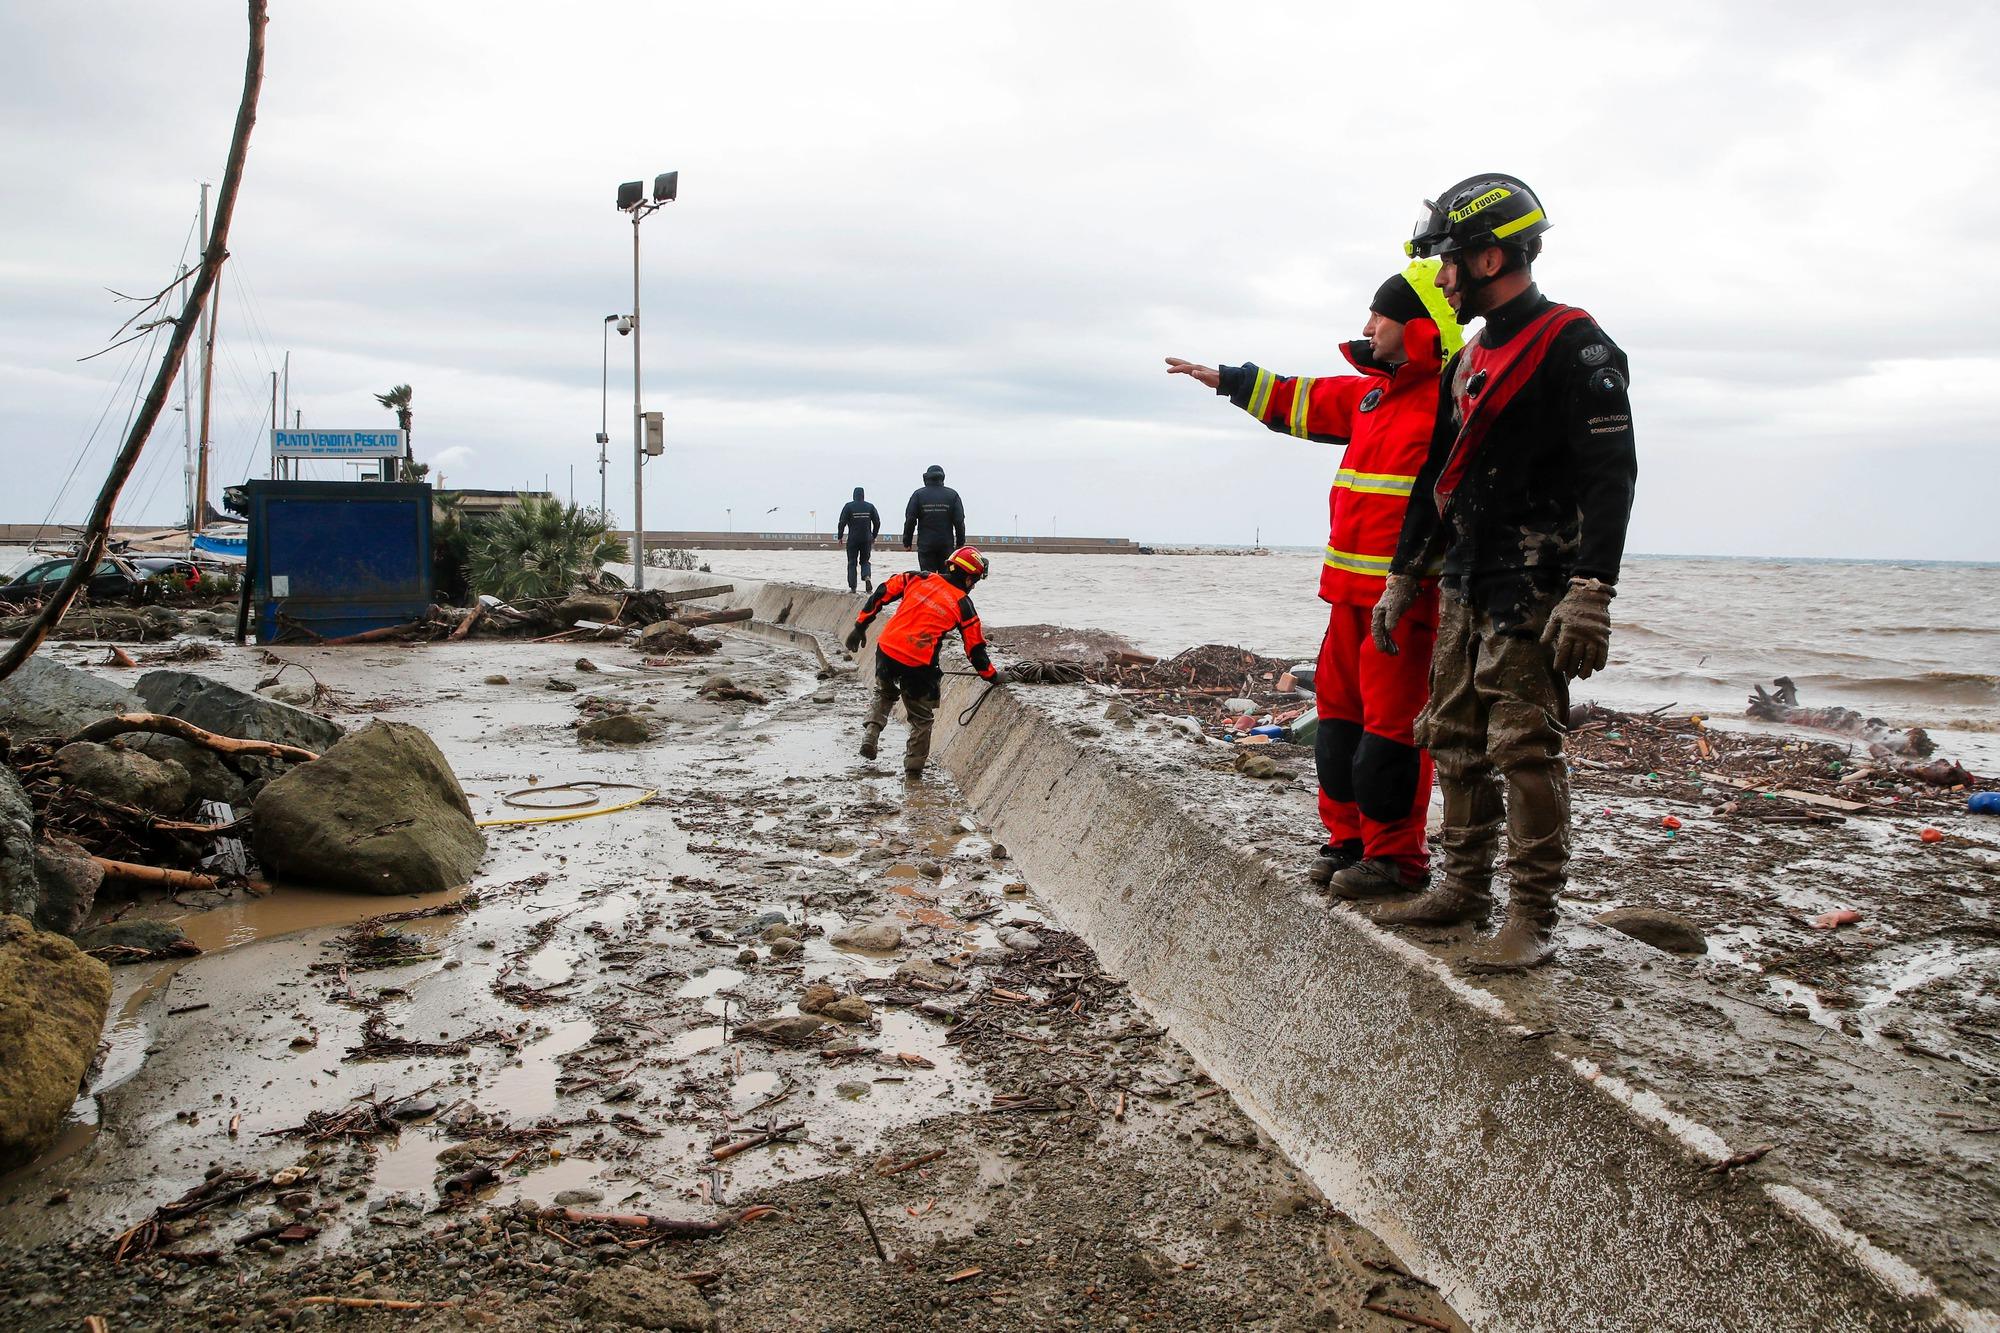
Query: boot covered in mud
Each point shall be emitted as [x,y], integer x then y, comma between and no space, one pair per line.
[1537,870]
[1452,902]
[1377,877]
[870,735]
[1527,939]
[1333,858]
[1467,843]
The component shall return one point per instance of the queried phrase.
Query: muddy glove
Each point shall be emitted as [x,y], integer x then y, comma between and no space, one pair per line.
[856,637]
[1399,594]
[1580,628]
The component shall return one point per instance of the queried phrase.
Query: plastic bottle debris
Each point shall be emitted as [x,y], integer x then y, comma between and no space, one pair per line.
[1984,803]
[1276,733]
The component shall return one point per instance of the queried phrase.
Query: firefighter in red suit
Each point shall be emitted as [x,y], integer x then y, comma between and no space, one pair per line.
[1374,781]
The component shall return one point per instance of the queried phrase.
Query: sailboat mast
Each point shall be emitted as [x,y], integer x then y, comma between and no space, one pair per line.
[187,436]
[207,379]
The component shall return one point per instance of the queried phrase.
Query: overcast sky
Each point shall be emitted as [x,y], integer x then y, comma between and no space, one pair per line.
[916,233]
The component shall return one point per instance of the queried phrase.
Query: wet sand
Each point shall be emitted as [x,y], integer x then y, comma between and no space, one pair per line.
[1086,1173]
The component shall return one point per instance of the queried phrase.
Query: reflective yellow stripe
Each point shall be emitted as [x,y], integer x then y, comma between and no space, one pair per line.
[1506,229]
[1260,393]
[1301,392]
[1356,563]
[1422,277]
[1373,483]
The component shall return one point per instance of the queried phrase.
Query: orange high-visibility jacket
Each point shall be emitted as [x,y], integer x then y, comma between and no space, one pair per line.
[931,608]
[1384,416]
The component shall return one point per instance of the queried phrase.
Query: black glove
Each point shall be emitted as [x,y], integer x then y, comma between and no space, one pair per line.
[856,637]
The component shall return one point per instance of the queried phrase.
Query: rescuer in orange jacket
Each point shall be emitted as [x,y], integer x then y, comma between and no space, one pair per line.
[1374,782]
[930,608]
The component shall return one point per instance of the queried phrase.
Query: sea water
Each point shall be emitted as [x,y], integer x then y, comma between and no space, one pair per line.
[1915,644]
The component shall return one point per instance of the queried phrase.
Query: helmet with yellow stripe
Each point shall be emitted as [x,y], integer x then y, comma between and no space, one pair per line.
[968,564]
[1479,211]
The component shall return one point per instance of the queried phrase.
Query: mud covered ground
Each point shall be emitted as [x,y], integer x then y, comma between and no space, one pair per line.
[443,1100]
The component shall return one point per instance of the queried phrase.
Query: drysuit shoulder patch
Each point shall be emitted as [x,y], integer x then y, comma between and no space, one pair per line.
[1596,354]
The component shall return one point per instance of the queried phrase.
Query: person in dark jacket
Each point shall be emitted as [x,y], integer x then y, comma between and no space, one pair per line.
[934,520]
[860,523]
[1526,492]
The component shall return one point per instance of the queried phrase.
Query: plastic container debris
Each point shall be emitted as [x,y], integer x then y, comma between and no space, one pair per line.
[1305,729]
[1669,822]
[1274,732]
[1984,803]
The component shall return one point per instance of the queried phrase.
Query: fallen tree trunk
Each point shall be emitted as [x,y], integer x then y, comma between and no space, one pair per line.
[700,618]
[174,881]
[162,725]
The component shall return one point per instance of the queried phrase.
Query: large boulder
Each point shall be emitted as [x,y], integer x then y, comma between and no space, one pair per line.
[69,882]
[53,1000]
[1658,927]
[46,698]
[20,891]
[581,605]
[126,776]
[50,882]
[380,812]
[228,711]
[211,775]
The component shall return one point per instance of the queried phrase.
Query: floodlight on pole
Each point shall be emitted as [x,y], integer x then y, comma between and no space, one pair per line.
[632,200]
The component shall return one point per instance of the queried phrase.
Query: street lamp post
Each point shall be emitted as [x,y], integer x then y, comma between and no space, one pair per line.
[604,417]
[729,517]
[632,200]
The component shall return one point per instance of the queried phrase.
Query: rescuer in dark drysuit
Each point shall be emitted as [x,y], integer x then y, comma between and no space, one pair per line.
[1526,491]
[930,607]
[1374,782]
[860,523]
[935,518]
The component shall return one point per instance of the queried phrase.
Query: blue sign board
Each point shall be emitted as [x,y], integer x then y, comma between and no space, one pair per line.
[338,444]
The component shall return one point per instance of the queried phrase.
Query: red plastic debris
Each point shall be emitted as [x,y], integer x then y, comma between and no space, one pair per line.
[1846,916]
[1931,835]
[1670,821]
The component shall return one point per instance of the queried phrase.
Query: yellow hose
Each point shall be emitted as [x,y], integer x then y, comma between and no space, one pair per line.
[566,815]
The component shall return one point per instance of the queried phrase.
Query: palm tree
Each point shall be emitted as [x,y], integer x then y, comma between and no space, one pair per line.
[540,548]
[397,400]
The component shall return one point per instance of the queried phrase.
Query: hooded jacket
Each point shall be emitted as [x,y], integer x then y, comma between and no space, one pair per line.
[1385,416]
[935,516]
[862,517]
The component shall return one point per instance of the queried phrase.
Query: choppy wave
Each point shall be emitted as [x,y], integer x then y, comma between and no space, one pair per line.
[1940,687]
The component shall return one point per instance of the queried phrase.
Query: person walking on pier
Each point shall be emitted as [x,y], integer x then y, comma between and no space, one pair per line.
[1526,493]
[934,520]
[930,607]
[1374,782]
[860,523]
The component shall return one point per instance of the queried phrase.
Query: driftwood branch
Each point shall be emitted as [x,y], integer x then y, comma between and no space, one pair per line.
[160,725]
[175,881]
[97,531]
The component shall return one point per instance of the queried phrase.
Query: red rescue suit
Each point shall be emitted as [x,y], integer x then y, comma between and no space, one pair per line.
[1375,784]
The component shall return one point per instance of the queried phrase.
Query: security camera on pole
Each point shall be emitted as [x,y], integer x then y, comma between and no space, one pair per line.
[647,430]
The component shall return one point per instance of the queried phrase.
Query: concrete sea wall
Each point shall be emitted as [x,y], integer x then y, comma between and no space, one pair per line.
[1538,1191]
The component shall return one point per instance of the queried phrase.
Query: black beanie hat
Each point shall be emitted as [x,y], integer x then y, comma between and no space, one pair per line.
[1397,300]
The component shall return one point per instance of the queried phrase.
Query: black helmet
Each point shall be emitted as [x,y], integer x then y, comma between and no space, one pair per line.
[933,474]
[1489,209]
